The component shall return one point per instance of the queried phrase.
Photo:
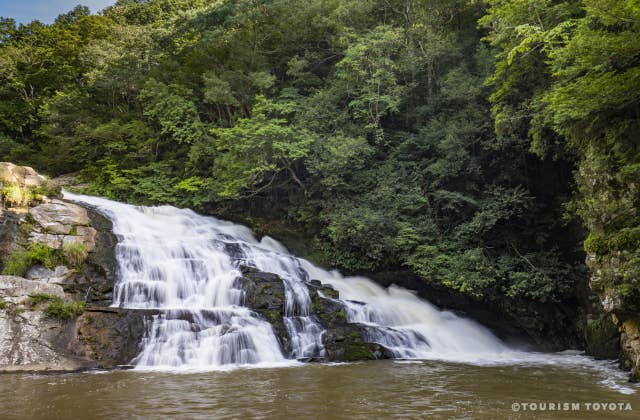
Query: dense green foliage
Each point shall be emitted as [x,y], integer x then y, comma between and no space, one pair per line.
[587,92]
[367,123]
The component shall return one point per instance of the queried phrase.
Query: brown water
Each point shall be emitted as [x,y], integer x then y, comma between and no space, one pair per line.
[360,390]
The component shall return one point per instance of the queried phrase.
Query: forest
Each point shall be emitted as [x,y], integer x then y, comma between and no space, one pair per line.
[487,146]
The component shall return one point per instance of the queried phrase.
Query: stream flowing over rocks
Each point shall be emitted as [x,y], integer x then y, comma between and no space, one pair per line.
[226,299]
[164,288]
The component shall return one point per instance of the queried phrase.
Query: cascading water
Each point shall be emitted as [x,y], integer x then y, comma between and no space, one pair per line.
[185,265]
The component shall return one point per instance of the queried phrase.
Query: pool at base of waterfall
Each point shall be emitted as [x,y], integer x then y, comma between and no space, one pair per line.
[414,389]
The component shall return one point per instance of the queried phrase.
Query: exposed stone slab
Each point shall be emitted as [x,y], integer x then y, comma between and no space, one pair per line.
[59,217]
[17,289]
[59,275]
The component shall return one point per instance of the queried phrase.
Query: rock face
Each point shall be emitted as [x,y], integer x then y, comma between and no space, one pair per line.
[30,340]
[27,343]
[27,337]
[622,310]
[17,290]
[111,337]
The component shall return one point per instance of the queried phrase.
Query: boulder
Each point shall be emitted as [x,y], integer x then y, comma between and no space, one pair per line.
[343,340]
[59,217]
[265,294]
[21,175]
[111,336]
[58,223]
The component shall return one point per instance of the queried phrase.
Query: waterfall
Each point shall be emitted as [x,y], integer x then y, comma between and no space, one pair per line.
[185,265]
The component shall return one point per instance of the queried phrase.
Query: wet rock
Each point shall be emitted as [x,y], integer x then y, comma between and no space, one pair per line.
[111,337]
[264,293]
[343,340]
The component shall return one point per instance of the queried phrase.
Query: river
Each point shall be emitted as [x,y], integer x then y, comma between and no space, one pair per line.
[382,389]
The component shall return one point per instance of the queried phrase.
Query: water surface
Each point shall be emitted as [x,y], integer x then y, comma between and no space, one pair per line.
[410,389]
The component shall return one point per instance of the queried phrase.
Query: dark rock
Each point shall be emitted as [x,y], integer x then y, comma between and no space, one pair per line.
[311,359]
[234,250]
[264,293]
[601,337]
[111,337]
[343,340]
[8,231]
[94,283]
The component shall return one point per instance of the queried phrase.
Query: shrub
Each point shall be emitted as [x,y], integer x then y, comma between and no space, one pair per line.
[57,307]
[48,188]
[42,254]
[17,264]
[42,297]
[14,194]
[20,261]
[75,253]
[60,309]
[3,304]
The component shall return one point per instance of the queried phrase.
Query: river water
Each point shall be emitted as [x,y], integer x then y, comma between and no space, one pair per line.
[382,389]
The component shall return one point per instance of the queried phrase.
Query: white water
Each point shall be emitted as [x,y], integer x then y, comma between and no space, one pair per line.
[185,265]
